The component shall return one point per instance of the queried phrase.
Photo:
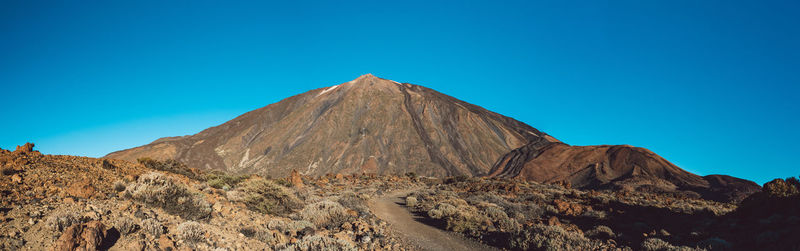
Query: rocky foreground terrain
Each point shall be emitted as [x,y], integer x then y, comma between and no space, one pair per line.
[55,202]
[52,202]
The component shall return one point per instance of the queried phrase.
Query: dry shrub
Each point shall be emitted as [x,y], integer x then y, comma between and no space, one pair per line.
[152,227]
[326,214]
[221,180]
[289,227]
[353,201]
[319,242]
[541,237]
[462,218]
[170,165]
[601,232]
[119,186]
[411,201]
[656,244]
[191,231]
[126,225]
[60,221]
[267,197]
[155,189]
[262,235]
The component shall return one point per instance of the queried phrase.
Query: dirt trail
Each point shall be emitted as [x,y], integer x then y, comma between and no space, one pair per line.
[422,236]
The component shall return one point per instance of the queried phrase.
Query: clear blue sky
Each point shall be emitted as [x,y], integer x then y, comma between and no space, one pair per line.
[712,86]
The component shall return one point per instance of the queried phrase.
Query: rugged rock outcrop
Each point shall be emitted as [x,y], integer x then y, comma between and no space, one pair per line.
[368,125]
[620,167]
[88,236]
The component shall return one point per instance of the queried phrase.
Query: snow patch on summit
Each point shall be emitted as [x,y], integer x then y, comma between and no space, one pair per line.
[327,90]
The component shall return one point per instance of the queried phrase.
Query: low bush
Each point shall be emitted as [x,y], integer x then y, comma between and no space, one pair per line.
[601,232]
[463,218]
[319,242]
[326,214]
[411,201]
[119,186]
[541,237]
[289,227]
[353,201]
[60,221]
[126,225]
[656,244]
[155,189]
[262,235]
[191,232]
[267,197]
[170,165]
[221,180]
[152,227]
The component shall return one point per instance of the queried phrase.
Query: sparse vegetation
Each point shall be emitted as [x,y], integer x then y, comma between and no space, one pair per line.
[289,226]
[221,180]
[60,221]
[152,227]
[355,202]
[264,196]
[541,237]
[126,225]
[170,165]
[411,201]
[325,214]
[191,231]
[331,212]
[319,242]
[119,186]
[656,244]
[155,189]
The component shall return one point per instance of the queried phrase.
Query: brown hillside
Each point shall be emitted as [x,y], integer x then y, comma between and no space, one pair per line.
[368,125]
[615,166]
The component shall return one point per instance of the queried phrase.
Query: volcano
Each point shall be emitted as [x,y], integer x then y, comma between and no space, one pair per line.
[367,125]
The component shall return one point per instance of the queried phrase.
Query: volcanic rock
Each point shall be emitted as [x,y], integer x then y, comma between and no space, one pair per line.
[619,167]
[368,125]
[88,236]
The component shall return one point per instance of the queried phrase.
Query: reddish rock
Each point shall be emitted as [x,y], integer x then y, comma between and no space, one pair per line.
[296,179]
[26,148]
[568,208]
[82,189]
[553,221]
[88,236]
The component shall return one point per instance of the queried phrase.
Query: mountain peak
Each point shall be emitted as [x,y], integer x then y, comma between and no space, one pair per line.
[368,75]
[368,124]
[368,78]
[369,81]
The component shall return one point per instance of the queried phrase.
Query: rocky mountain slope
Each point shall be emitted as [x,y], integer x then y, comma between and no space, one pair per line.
[617,167]
[370,125]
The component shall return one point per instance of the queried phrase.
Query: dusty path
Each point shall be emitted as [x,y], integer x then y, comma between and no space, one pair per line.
[423,236]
